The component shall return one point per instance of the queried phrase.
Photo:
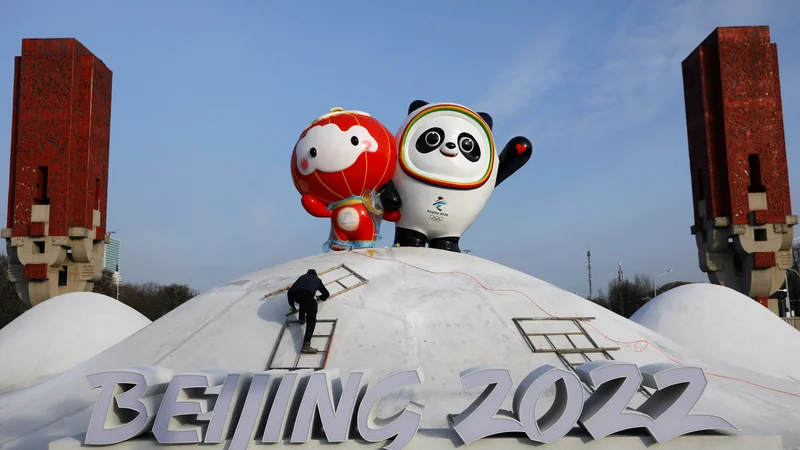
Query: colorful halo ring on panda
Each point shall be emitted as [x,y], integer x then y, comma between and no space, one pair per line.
[413,126]
[369,172]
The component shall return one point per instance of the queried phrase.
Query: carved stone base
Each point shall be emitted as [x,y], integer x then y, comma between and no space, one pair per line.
[751,259]
[43,267]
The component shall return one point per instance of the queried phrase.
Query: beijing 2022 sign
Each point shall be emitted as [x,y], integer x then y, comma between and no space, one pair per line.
[174,407]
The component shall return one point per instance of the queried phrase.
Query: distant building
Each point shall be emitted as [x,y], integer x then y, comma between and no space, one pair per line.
[111,255]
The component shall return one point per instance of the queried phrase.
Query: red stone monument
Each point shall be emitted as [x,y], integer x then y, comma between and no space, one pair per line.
[740,183]
[58,180]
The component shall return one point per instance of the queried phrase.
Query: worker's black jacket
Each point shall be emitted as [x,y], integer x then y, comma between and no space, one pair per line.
[309,282]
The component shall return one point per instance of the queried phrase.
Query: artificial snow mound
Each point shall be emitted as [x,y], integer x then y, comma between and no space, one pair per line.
[726,325]
[440,311]
[60,333]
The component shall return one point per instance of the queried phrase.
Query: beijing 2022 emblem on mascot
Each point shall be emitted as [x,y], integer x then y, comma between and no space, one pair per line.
[447,168]
[338,166]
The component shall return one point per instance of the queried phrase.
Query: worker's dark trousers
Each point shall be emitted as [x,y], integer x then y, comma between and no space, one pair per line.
[308,309]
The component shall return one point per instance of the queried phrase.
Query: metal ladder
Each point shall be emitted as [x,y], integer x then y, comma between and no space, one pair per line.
[352,273]
[563,352]
[329,337]
[296,365]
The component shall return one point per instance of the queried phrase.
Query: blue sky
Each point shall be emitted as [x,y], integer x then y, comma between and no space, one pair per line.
[209,98]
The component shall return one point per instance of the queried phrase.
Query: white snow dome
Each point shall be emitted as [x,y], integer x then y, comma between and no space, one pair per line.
[726,325]
[60,333]
[402,308]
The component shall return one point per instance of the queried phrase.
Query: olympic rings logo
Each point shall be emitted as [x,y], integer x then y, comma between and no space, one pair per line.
[436,218]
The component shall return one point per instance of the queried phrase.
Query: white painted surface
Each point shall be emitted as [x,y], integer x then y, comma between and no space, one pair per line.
[60,333]
[403,317]
[726,325]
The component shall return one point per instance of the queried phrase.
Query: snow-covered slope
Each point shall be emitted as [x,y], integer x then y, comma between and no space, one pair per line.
[57,334]
[726,325]
[442,311]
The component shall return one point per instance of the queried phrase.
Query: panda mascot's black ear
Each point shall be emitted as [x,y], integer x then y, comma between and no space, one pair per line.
[415,105]
[487,118]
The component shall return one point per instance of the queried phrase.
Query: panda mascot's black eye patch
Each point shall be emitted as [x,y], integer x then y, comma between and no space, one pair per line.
[469,147]
[430,140]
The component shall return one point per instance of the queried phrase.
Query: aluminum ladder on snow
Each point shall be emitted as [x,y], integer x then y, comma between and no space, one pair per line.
[321,355]
[565,353]
[337,286]
[350,273]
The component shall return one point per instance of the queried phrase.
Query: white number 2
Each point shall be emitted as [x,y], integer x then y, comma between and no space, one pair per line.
[677,390]
[615,384]
[484,418]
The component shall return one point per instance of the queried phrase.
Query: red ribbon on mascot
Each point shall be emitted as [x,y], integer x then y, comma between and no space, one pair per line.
[339,163]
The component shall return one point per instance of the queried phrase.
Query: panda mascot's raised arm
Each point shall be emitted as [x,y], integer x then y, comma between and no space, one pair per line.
[514,155]
[447,168]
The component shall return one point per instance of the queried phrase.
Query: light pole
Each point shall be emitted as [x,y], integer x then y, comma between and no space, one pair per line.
[655,291]
[117,280]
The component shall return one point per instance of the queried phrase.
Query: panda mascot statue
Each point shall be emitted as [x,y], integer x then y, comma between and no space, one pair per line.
[447,168]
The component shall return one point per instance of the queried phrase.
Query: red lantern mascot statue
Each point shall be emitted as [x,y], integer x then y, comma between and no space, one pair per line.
[339,164]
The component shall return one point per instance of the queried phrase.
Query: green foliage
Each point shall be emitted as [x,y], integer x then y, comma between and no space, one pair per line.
[150,299]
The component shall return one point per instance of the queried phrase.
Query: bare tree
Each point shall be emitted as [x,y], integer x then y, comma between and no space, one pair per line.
[792,277]
[626,297]
[150,299]
[11,306]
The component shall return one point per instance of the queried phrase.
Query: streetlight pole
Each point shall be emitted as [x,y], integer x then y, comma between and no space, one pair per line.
[116,278]
[655,291]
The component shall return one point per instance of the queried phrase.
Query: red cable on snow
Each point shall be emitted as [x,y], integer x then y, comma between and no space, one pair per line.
[634,344]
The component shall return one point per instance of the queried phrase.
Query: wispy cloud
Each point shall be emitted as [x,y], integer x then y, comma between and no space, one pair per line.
[536,69]
[642,61]
[633,77]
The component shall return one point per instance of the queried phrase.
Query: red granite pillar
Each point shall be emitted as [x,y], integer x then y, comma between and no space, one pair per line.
[737,152]
[58,176]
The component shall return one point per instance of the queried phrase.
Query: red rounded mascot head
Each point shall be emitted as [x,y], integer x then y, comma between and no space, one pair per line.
[343,154]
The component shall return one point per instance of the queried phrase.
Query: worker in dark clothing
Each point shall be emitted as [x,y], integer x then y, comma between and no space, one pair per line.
[303,292]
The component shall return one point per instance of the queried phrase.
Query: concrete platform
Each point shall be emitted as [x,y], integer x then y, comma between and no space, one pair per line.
[443,439]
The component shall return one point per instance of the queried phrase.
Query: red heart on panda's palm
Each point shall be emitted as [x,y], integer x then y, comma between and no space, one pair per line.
[521,148]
